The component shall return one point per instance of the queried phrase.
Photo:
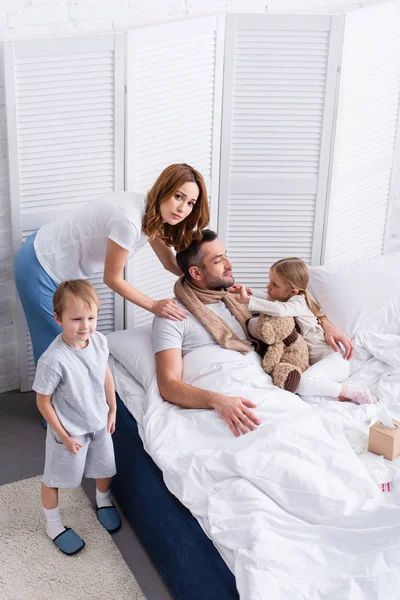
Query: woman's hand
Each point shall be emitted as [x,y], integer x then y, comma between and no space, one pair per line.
[169,309]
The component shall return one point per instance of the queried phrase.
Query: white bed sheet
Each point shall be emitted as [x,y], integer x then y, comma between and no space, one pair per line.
[295,508]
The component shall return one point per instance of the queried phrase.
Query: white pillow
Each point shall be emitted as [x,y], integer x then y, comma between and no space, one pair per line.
[360,296]
[133,348]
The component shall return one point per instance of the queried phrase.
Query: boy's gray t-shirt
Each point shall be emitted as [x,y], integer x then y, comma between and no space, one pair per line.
[75,378]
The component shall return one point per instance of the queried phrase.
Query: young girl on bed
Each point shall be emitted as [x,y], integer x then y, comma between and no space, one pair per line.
[288,297]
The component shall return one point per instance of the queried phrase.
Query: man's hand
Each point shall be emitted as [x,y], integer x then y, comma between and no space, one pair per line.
[111,421]
[72,444]
[333,335]
[235,411]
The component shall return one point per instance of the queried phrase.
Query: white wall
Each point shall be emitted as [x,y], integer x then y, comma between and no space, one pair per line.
[44,18]
[316,6]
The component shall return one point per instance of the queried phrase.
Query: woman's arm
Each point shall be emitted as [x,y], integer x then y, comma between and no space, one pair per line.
[166,256]
[114,264]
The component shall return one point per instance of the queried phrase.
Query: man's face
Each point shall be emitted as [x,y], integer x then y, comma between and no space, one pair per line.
[217,271]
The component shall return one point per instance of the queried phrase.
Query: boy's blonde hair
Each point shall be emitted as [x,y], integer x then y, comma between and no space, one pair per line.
[78,288]
[295,273]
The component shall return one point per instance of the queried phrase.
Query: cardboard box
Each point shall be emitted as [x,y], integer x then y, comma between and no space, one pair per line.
[384,441]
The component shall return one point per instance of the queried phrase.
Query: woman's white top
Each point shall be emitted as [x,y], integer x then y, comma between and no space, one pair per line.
[296,307]
[75,247]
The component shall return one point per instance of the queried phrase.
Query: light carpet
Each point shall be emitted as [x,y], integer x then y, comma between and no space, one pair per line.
[32,568]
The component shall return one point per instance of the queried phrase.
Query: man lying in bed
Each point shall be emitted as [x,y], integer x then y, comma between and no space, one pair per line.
[207,273]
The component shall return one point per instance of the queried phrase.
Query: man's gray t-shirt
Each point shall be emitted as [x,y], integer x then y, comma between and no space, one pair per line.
[190,334]
[75,378]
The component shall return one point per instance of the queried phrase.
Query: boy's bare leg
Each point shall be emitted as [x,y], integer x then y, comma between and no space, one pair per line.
[103,485]
[49,497]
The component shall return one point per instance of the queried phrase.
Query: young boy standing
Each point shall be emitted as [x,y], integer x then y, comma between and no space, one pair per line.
[75,394]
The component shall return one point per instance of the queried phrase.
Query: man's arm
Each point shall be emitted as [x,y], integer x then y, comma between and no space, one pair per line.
[334,335]
[234,410]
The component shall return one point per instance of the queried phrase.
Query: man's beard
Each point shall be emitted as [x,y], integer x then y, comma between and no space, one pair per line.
[219,283]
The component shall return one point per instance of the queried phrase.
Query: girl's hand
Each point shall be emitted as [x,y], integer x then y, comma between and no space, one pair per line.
[72,444]
[334,336]
[168,309]
[243,296]
[236,287]
[112,415]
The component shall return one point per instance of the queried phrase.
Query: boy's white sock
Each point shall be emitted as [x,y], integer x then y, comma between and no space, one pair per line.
[54,526]
[103,499]
[359,394]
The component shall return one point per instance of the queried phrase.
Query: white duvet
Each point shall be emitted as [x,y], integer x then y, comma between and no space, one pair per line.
[296,507]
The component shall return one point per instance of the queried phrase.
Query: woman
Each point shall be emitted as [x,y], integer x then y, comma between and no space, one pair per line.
[101,236]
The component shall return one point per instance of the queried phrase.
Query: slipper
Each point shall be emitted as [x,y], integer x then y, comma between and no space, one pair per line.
[109,518]
[69,542]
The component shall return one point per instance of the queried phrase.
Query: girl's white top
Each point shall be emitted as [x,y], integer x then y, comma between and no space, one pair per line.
[296,307]
[74,247]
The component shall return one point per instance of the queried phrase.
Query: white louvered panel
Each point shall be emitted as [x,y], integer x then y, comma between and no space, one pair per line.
[288,231]
[65,101]
[31,361]
[279,90]
[58,125]
[174,89]
[278,101]
[366,132]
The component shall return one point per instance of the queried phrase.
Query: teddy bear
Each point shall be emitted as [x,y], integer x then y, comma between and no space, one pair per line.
[287,353]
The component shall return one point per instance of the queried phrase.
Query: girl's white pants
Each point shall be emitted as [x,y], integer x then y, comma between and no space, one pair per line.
[324,377]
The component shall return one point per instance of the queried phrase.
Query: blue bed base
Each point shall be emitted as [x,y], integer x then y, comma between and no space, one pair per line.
[186,559]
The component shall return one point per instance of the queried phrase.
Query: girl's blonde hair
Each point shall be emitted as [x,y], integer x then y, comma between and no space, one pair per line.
[78,288]
[181,235]
[295,273]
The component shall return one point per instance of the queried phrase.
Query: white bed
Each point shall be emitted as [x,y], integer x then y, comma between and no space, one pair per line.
[295,508]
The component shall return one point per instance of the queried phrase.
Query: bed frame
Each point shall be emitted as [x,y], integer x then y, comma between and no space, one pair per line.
[185,557]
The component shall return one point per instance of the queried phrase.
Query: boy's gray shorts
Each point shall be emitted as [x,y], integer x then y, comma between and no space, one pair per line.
[94,460]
